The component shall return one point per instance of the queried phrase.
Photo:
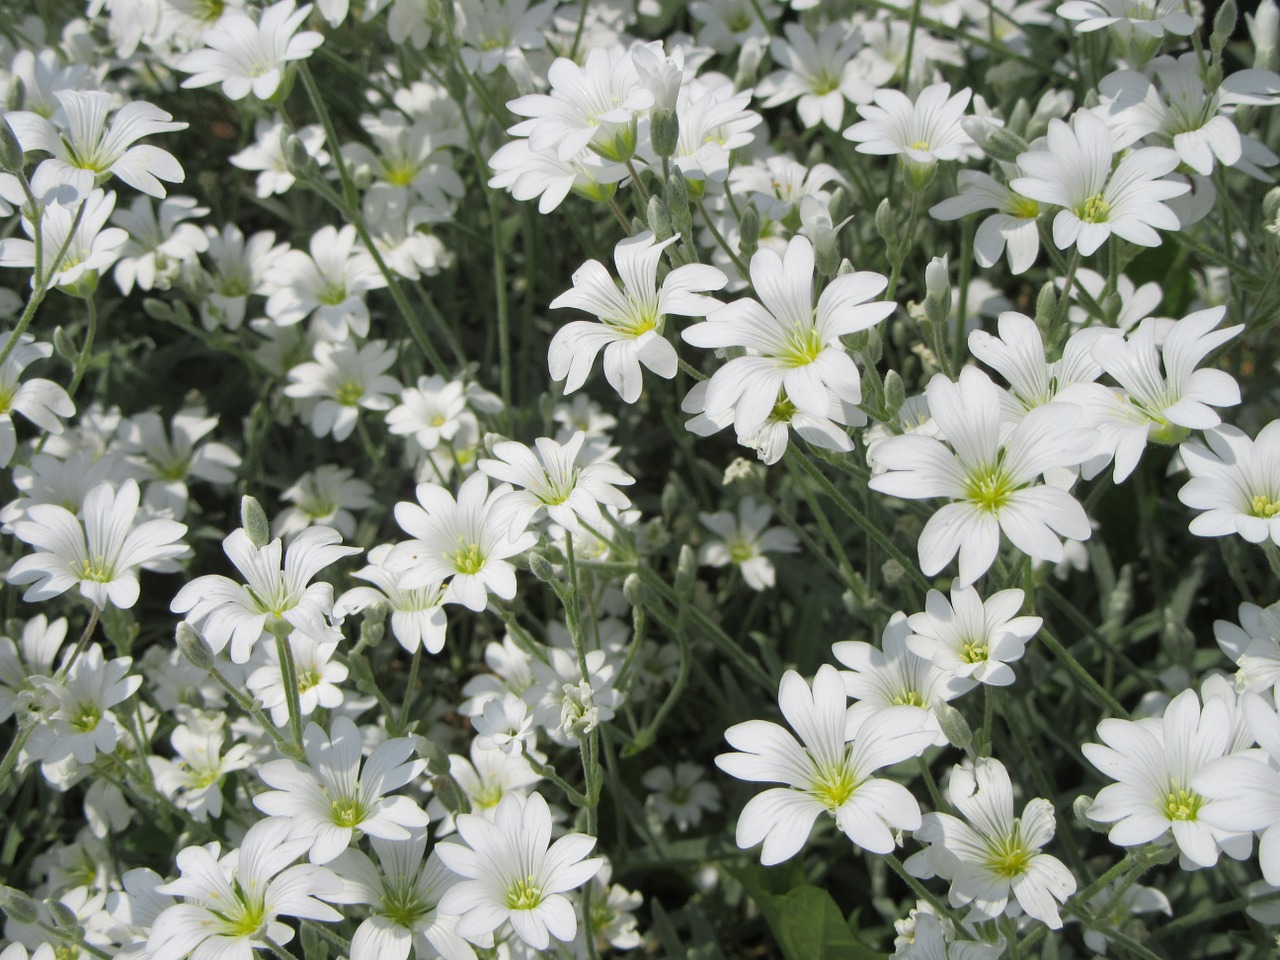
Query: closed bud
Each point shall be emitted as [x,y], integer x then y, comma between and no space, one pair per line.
[846,267]
[634,590]
[678,203]
[749,231]
[12,159]
[296,159]
[254,521]
[664,132]
[157,309]
[888,228]
[1263,27]
[542,568]
[1213,75]
[1224,25]
[1080,809]
[1019,117]
[1046,305]
[450,794]
[874,348]
[17,906]
[1271,204]
[673,499]
[660,219]
[194,647]
[686,572]
[436,756]
[15,99]
[954,726]
[64,918]
[314,947]
[750,56]
[895,393]
[64,346]
[937,301]
[1003,144]
[838,205]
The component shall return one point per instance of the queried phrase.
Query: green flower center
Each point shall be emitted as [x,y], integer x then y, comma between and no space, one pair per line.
[308,679]
[989,489]
[332,294]
[975,651]
[1009,857]
[740,551]
[1023,208]
[833,784]
[524,894]
[95,569]
[824,82]
[1182,804]
[1264,507]
[86,717]
[404,908]
[348,394]
[487,796]
[347,812]
[802,346]
[467,558]
[1093,210]
[908,698]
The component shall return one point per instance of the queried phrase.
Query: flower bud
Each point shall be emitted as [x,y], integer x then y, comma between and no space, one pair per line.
[1224,25]
[12,159]
[954,726]
[749,231]
[313,946]
[64,346]
[686,572]
[1263,27]
[749,58]
[436,756]
[888,228]
[1046,305]
[1019,117]
[634,591]
[1080,808]
[296,159]
[254,521]
[664,132]
[542,568]
[17,906]
[678,203]
[937,301]
[1003,144]
[895,393]
[659,218]
[194,647]
[450,794]
[64,918]
[17,95]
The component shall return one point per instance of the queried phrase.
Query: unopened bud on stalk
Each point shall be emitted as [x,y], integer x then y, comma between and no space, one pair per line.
[1003,144]
[634,590]
[64,918]
[11,155]
[659,218]
[686,572]
[17,906]
[313,947]
[296,159]
[436,756]
[749,58]
[937,301]
[1080,808]
[678,203]
[1263,27]
[1224,25]
[895,393]
[194,647]
[888,228]
[954,726]
[17,94]
[64,346]
[749,231]
[664,132]
[254,521]
[1046,305]
[450,794]
[542,568]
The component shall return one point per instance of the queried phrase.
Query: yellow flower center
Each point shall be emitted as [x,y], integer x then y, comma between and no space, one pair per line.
[989,489]
[1182,804]
[524,894]
[975,650]
[1264,507]
[347,812]
[1023,208]
[348,394]
[1093,210]
[467,558]
[1009,857]
[833,785]
[908,698]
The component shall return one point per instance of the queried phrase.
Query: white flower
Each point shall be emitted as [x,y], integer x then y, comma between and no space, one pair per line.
[90,248]
[1073,170]
[564,479]
[325,497]
[245,56]
[41,401]
[344,379]
[485,779]
[430,412]
[100,554]
[81,725]
[791,345]
[1236,482]
[239,270]
[86,151]
[329,284]
[32,656]
[989,480]
[1012,229]
[403,894]
[160,246]
[921,132]
[681,794]
[821,71]
[233,904]
[418,619]
[828,771]
[971,637]
[229,612]
[267,155]
[193,779]
[318,677]
[744,541]
[594,105]
[1157,762]
[511,874]
[168,458]
[462,541]
[1155,405]
[1145,18]
[329,798]
[528,174]
[994,854]
[632,318]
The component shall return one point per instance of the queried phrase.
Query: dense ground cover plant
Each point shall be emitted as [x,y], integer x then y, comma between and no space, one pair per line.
[739,479]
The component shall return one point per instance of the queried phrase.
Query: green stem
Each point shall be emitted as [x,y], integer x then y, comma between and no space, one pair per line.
[289,672]
[1077,669]
[277,949]
[11,757]
[409,690]
[94,615]
[41,288]
[86,352]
